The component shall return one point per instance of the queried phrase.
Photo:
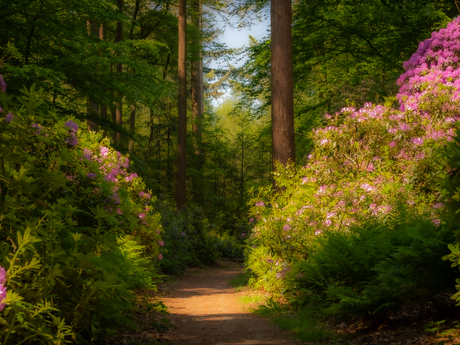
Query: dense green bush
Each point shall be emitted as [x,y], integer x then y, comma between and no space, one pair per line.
[77,234]
[189,239]
[374,267]
[363,225]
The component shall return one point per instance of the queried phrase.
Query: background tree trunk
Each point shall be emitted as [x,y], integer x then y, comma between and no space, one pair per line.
[119,104]
[282,111]
[93,107]
[182,103]
[197,100]
[103,36]
[132,117]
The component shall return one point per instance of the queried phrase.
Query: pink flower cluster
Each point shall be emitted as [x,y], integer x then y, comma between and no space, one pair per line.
[2,287]
[436,62]
[368,161]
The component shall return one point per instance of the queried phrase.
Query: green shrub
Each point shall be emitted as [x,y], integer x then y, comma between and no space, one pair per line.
[373,267]
[188,238]
[77,234]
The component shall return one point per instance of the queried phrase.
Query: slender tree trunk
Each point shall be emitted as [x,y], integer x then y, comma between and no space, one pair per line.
[119,104]
[242,161]
[151,133]
[132,117]
[182,104]
[168,142]
[103,36]
[92,106]
[282,112]
[197,100]
[132,127]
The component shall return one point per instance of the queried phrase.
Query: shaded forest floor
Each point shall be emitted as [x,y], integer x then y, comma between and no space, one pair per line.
[204,309]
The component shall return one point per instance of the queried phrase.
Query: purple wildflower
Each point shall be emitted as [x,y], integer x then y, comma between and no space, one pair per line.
[9,117]
[2,275]
[2,84]
[71,125]
[251,220]
[91,175]
[2,296]
[72,140]
[243,234]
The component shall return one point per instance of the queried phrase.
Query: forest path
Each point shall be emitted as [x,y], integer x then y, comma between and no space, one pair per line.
[205,309]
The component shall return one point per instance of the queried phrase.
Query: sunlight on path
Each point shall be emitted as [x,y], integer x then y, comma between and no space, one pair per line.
[205,309]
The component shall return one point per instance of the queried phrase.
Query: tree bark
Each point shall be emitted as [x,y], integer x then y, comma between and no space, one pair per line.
[92,106]
[132,127]
[282,111]
[103,36]
[197,99]
[119,103]
[182,111]
[132,117]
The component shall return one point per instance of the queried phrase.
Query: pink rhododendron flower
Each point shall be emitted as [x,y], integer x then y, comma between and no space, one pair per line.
[119,211]
[436,222]
[286,227]
[260,203]
[141,215]
[161,243]
[160,256]
[104,151]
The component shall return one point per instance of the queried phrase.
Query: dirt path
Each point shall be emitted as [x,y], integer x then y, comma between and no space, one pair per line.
[205,309]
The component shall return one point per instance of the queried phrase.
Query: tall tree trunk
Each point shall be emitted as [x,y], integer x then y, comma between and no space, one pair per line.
[132,117]
[151,133]
[197,99]
[119,104]
[92,106]
[282,112]
[242,163]
[103,36]
[182,105]
[132,127]
[168,156]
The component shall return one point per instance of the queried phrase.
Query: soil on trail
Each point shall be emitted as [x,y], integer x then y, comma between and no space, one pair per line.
[205,310]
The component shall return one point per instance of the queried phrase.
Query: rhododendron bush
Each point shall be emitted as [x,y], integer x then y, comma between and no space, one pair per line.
[376,165]
[77,231]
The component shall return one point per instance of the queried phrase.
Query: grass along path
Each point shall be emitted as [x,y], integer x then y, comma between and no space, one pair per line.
[206,310]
